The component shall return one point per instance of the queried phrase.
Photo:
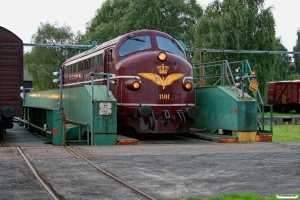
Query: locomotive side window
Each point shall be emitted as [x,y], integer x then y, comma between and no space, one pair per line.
[171,46]
[98,61]
[75,69]
[134,44]
[80,67]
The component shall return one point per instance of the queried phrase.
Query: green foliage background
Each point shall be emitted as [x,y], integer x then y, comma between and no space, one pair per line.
[242,25]
[116,17]
[227,24]
[41,62]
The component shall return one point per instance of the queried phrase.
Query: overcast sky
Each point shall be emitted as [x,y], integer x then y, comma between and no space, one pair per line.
[22,17]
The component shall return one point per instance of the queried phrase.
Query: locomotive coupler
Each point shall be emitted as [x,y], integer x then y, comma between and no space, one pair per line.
[168,116]
[152,121]
[181,116]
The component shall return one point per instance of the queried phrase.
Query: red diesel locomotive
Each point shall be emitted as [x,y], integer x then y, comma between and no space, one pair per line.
[152,80]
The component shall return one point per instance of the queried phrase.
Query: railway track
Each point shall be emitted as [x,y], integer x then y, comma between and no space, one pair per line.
[44,183]
[3,144]
[110,175]
[50,187]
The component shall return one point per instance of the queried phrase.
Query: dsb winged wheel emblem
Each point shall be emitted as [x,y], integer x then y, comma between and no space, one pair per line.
[162,80]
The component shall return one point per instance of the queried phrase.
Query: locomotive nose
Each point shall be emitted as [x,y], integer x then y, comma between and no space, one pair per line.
[192,112]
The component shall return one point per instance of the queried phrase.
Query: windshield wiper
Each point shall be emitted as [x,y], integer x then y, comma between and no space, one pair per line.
[176,44]
[136,39]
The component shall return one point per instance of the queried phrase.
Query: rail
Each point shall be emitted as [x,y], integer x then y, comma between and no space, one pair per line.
[108,174]
[35,126]
[53,194]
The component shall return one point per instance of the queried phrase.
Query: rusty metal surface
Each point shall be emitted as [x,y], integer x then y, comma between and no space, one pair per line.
[11,66]
[228,140]
[123,140]
[127,142]
[264,138]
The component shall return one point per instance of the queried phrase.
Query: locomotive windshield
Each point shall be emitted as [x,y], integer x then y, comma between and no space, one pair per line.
[166,44]
[134,44]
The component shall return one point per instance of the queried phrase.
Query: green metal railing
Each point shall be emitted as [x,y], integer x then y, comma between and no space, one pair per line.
[220,73]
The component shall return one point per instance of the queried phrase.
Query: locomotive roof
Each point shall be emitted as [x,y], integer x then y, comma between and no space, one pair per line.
[103,45]
[94,49]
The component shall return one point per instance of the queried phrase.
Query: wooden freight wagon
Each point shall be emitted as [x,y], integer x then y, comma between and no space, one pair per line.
[284,95]
[11,78]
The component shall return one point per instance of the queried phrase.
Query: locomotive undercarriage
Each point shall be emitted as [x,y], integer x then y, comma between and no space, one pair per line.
[159,119]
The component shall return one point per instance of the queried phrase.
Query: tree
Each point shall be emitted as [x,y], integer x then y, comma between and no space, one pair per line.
[239,25]
[116,17]
[297,57]
[108,22]
[281,66]
[41,62]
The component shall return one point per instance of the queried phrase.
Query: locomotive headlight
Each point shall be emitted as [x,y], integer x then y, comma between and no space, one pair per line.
[132,84]
[162,56]
[188,86]
[136,85]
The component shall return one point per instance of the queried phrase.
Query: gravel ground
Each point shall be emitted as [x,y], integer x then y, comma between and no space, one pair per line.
[165,171]
[73,178]
[179,171]
[16,179]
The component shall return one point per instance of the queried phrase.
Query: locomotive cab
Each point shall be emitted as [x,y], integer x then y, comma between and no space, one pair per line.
[164,101]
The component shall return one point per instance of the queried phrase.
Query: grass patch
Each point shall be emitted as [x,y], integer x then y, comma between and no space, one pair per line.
[242,196]
[292,113]
[285,133]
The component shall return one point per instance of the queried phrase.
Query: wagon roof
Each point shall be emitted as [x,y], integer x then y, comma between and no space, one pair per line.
[8,37]
[288,81]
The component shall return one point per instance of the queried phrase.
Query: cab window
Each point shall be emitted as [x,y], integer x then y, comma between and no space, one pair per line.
[169,45]
[135,44]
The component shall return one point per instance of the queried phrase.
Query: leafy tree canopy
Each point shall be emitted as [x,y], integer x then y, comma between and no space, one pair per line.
[240,25]
[281,67]
[116,17]
[297,57]
[41,62]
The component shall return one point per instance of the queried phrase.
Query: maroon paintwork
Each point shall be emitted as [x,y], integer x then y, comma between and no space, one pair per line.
[172,98]
[11,75]
[284,95]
